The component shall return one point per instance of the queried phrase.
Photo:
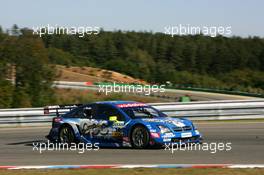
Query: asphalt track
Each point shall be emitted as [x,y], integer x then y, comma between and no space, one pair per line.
[247,140]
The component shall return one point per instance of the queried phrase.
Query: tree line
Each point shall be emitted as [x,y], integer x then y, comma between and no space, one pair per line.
[195,61]
[233,63]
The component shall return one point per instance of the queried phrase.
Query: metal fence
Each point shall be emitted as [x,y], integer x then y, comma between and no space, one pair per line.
[212,110]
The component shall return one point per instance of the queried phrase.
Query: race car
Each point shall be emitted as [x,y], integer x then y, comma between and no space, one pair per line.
[119,124]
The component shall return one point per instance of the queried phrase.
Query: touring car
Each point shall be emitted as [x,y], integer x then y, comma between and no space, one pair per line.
[119,124]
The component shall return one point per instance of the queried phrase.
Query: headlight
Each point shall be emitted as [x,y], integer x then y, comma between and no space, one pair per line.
[164,129]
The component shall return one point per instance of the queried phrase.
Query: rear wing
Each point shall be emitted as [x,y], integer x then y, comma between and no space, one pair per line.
[60,109]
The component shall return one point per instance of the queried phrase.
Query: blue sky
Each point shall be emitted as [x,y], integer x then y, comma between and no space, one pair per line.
[244,16]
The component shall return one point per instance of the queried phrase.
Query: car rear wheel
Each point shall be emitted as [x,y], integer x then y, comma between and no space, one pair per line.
[140,137]
[66,135]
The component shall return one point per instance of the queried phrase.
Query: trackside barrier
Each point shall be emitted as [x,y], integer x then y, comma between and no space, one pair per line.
[211,110]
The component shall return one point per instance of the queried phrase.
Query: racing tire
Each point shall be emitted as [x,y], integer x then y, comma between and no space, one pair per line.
[140,137]
[66,135]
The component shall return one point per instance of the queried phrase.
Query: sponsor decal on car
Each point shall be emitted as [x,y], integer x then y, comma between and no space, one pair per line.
[152,120]
[149,126]
[178,124]
[130,105]
[117,134]
[154,135]
[166,139]
[186,134]
[118,124]
[168,135]
[153,130]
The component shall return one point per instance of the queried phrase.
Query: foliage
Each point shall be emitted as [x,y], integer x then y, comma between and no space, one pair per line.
[195,61]
[33,75]
[199,61]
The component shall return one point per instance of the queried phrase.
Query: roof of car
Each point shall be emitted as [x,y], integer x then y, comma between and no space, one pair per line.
[116,102]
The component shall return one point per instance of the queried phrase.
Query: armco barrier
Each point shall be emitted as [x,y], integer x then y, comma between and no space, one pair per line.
[212,110]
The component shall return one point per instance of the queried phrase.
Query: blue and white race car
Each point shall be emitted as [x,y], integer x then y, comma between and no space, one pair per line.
[118,124]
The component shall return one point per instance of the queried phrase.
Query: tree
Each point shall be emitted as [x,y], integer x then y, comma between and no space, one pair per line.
[15,31]
[33,75]
[1,30]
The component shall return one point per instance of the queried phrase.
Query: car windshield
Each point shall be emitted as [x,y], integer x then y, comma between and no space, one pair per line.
[143,112]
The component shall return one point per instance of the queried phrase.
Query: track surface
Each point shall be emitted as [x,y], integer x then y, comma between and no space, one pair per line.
[247,140]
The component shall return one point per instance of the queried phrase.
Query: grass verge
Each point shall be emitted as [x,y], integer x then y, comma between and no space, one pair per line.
[139,171]
[71,96]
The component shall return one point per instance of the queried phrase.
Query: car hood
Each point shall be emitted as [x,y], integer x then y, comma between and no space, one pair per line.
[168,121]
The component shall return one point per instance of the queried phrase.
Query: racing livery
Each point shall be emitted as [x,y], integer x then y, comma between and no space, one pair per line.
[120,123]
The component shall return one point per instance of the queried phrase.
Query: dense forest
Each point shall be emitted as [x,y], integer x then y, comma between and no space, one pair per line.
[198,61]
[195,61]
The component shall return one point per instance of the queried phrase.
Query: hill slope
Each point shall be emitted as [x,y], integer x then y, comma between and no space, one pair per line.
[90,74]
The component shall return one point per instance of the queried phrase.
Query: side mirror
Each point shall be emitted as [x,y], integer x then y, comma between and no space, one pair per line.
[113,118]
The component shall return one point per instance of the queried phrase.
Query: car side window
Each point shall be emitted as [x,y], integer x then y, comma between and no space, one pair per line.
[89,111]
[103,112]
[73,113]
[82,112]
[78,113]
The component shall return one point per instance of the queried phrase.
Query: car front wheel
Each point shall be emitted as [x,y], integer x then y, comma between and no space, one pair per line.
[140,137]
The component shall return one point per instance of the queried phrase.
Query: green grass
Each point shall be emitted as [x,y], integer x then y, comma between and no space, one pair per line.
[72,96]
[139,171]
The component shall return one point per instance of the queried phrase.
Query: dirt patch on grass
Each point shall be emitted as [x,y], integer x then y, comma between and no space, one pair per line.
[84,74]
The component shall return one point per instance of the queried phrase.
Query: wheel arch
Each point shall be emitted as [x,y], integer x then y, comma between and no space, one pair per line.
[74,127]
[134,126]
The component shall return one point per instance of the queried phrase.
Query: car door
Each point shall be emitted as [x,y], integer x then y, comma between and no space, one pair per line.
[111,123]
[88,125]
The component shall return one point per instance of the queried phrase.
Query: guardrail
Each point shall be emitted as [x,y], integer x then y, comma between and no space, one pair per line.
[212,110]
